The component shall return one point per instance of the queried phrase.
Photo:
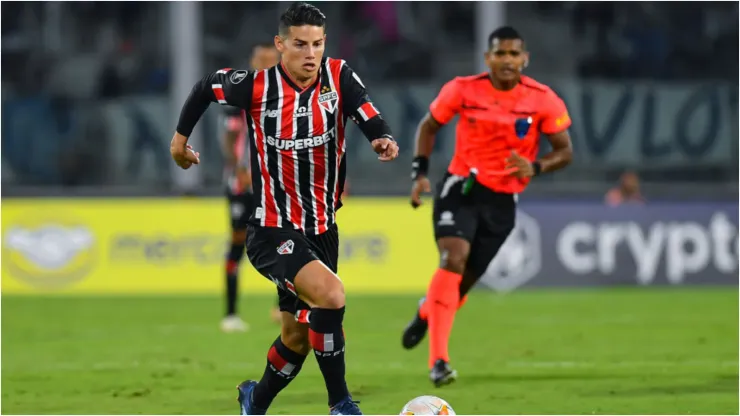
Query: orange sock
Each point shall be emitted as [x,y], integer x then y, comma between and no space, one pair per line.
[424,309]
[443,298]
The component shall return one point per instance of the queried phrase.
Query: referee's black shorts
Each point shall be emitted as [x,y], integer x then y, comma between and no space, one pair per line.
[280,253]
[483,217]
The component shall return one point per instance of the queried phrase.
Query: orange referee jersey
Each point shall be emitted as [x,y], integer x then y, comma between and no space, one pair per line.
[493,123]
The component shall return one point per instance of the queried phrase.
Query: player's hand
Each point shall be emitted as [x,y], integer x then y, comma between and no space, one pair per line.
[182,153]
[523,166]
[421,184]
[187,159]
[386,148]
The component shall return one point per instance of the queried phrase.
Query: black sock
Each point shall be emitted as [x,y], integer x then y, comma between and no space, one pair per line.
[327,340]
[283,365]
[232,276]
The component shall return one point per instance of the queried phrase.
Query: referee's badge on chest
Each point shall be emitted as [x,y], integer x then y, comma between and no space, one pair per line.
[521,126]
[328,99]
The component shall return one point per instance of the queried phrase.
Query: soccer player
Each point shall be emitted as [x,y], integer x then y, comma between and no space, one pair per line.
[296,116]
[501,115]
[239,189]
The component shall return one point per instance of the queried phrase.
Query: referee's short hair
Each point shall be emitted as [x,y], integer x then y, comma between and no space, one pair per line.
[301,14]
[504,33]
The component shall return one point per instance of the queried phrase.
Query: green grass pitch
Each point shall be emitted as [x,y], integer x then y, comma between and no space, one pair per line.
[613,351]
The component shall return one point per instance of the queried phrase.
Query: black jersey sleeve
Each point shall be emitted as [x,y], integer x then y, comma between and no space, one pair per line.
[226,86]
[358,106]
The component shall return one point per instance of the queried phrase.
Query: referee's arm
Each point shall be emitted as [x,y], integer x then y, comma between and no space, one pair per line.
[359,107]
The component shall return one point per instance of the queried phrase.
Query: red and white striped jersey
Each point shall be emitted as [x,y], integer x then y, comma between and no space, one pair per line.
[296,138]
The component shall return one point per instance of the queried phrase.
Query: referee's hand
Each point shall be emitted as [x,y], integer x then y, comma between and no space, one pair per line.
[387,149]
[421,184]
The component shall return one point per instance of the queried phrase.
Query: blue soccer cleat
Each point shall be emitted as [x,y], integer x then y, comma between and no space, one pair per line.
[246,404]
[346,407]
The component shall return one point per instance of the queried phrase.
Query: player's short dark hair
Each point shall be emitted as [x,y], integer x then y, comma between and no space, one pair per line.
[301,14]
[504,33]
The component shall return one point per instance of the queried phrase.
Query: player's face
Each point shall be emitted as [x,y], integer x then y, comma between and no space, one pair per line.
[263,58]
[506,59]
[302,50]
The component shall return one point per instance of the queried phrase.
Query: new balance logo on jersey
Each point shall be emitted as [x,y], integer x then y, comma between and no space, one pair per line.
[286,247]
[300,144]
[272,113]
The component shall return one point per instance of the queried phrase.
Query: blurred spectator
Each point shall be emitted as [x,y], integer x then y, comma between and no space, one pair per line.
[385,17]
[653,40]
[627,192]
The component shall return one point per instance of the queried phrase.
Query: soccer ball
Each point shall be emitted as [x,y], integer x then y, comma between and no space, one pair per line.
[427,405]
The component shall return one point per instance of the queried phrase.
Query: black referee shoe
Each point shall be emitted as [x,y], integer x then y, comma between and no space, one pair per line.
[415,330]
[442,374]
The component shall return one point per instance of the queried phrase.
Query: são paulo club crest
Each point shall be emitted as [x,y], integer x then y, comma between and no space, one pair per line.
[328,99]
[286,247]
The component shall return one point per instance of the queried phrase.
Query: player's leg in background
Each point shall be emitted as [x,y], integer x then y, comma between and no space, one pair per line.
[286,355]
[239,212]
[232,322]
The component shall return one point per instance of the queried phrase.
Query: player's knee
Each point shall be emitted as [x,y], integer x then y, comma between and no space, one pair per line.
[331,296]
[334,297]
[296,339]
[319,287]
[454,260]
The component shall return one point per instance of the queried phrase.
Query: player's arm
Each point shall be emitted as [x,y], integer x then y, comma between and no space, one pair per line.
[442,110]
[555,127]
[225,86]
[358,106]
